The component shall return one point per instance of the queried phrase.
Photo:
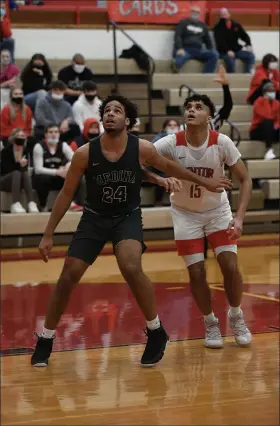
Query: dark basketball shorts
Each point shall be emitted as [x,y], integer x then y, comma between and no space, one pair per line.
[94,231]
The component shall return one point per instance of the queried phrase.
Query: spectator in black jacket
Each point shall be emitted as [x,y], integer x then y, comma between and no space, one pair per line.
[74,76]
[14,172]
[190,37]
[36,78]
[227,34]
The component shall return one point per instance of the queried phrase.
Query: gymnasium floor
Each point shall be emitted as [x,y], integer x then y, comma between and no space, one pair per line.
[94,377]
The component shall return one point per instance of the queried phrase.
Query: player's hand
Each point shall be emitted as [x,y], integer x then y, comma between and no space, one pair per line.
[180,52]
[45,247]
[170,184]
[218,185]
[61,172]
[235,228]
[231,54]
[221,76]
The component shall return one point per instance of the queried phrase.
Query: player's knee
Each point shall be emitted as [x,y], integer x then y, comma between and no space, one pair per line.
[197,274]
[131,270]
[68,279]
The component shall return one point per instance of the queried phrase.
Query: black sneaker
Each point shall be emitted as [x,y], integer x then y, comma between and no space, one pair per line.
[42,352]
[155,347]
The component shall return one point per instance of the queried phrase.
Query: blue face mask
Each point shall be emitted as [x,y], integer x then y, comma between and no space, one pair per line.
[2,12]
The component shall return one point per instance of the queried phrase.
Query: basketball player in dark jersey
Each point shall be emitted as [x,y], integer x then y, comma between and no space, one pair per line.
[112,165]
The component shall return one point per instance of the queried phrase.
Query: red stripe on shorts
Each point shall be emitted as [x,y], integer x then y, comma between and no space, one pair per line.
[187,247]
[220,238]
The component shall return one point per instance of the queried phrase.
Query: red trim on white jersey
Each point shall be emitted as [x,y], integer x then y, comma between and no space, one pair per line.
[213,138]
[181,138]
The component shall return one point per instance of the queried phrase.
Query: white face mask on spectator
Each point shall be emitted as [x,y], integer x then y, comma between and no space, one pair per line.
[271,95]
[195,16]
[57,96]
[273,65]
[78,68]
[171,131]
[53,141]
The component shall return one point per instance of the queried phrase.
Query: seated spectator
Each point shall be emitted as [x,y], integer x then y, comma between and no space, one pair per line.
[266,122]
[227,34]
[6,40]
[190,36]
[14,172]
[87,105]
[74,76]
[15,115]
[36,79]
[8,75]
[53,109]
[51,160]
[267,71]
[135,130]
[91,129]
[169,127]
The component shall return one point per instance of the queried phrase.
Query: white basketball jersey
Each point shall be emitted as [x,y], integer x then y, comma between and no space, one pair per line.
[217,151]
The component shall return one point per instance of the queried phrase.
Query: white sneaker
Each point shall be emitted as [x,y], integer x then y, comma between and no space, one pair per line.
[241,333]
[213,337]
[269,155]
[32,207]
[17,208]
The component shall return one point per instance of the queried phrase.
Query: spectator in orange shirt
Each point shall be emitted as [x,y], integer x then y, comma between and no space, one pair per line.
[265,72]
[15,115]
[266,124]
[6,40]
[91,130]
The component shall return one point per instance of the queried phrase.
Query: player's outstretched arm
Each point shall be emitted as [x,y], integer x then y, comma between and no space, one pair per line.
[150,157]
[245,193]
[170,184]
[64,199]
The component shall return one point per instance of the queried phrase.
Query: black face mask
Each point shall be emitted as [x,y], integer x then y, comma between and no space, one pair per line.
[135,133]
[19,141]
[38,66]
[93,135]
[17,100]
[90,97]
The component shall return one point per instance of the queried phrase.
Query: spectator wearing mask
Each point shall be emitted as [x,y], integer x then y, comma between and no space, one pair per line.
[8,76]
[169,127]
[266,122]
[74,76]
[51,160]
[227,34]
[36,79]
[14,172]
[53,109]
[6,40]
[91,129]
[87,105]
[267,71]
[190,36]
[15,115]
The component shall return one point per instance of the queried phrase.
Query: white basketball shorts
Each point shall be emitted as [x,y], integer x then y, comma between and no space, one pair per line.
[191,228]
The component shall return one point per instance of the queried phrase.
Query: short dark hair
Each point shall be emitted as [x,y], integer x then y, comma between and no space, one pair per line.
[59,85]
[269,57]
[50,126]
[89,86]
[201,98]
[131,110]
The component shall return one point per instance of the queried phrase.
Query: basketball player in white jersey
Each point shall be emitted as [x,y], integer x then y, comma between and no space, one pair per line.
[196,212]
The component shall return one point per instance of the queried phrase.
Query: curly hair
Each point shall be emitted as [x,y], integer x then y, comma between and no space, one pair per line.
[201,98]
[131,110]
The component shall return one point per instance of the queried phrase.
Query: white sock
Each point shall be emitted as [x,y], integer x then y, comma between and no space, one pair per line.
[234,311]
[47,334]
[209,317]
[154,324]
